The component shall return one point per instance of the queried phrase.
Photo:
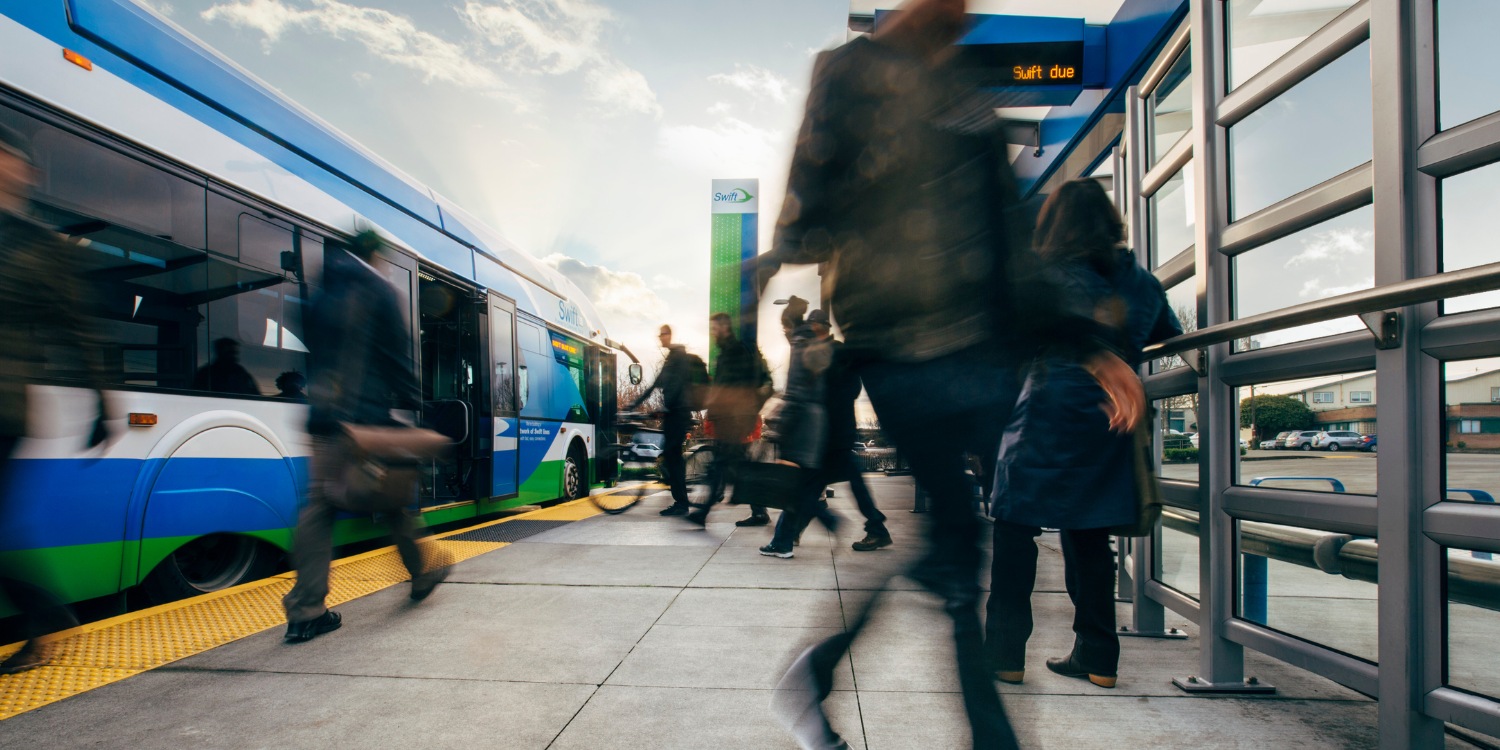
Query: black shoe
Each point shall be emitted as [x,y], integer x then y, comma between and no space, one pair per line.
[771,550]
[300,632]
[31,656]
[754,520]
[697,516]
[675,510]
[422,585]
[872,542]
[1069,668]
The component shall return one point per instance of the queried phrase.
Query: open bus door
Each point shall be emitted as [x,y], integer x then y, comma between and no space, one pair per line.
[603,404]
[506,425]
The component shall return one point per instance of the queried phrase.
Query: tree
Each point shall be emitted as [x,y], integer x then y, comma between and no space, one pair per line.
[1275,414]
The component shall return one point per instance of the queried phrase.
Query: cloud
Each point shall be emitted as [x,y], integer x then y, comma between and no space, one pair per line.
[558,37]
[386,35]
[522,38]
[615,294]
[729,146]
[161,7]
[1335,245]
[757,81]
[1314,288]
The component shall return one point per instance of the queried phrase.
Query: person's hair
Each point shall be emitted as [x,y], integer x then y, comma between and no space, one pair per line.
[720,318]
[665,329]
[365,244]
[1079,222]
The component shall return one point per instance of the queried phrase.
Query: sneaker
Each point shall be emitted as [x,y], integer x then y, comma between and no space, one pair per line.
[31,656]
[771,550]
[301,632]
[753,520]
[871,542]
[675,510]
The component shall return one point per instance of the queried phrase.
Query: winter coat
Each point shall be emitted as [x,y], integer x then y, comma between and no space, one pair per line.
[740,379]
[802,423]
[675,381]
[1060,466]
[359,349]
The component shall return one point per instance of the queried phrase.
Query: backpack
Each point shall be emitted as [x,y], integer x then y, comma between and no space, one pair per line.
[697,383]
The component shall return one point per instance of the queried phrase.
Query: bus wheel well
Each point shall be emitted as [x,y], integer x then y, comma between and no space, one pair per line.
[209,563]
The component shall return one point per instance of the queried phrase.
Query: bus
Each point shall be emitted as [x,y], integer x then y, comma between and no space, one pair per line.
[202,203]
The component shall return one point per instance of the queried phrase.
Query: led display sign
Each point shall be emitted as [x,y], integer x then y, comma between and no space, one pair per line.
[1023,64]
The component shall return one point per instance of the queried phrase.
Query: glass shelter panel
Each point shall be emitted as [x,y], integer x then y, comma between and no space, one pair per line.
[1469,201]
[1318,129]
[1324,260]
[1467,60]
[1172,106]
[1314,431]
[1183,299]
[1172,216]
[1327,597]
[1473,621]
[1471,430]
[1261,31]
[1178,423]
[1179,551]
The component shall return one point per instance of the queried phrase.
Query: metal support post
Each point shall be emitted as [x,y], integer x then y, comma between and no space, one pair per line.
[1148,618]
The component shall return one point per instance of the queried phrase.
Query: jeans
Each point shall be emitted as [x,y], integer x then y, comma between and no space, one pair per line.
[935,411]
[1090,576]
[845,467]
[41,612]
[312,545]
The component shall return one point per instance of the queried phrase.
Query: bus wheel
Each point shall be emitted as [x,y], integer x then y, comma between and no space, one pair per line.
[207,564]
[575,474]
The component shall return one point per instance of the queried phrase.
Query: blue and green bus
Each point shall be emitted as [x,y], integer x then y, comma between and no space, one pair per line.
[202,202]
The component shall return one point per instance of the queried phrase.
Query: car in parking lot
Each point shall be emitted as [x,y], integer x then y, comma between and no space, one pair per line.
[1275,443]
[1301,440]
[1334,440]
[1369,443]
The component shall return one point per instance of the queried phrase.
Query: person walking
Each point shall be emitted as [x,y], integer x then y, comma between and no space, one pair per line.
[359,368]
[801,428]
[41,318]
[675,381]
[841,390]
[1083,483]
[741,383]
[900,183]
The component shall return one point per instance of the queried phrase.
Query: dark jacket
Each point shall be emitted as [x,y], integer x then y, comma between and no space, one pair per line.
[359,349]
[1060,465]
[802,423]
[841,388]
[42,312]
[675,381]
[900,181]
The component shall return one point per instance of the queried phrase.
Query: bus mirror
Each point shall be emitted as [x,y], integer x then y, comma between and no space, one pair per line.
[635,373]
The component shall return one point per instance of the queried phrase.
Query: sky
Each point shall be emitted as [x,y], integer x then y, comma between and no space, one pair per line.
[586,131]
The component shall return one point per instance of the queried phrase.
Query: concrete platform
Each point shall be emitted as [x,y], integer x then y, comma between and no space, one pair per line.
[635,631]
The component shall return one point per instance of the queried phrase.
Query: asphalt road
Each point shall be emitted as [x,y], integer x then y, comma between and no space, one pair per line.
[1355,470]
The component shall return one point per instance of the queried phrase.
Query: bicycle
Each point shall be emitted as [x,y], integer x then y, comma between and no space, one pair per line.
[621,499]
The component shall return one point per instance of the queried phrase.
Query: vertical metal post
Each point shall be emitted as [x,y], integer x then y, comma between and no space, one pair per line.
[1221,661]
[1408,382]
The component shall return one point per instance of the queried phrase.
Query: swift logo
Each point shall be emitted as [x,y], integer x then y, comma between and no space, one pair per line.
[737,195]
[569,314]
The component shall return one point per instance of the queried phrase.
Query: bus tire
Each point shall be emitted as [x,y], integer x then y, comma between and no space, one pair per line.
[207,564]
[576,473]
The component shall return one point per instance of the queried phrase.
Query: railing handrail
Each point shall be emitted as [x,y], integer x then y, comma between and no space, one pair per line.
[1485,278]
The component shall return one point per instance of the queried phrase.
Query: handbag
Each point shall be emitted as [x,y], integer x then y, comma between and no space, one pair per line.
[768,483]
[382,466]
[1147,485]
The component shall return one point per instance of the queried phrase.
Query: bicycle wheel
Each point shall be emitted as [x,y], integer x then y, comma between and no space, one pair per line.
[621,498]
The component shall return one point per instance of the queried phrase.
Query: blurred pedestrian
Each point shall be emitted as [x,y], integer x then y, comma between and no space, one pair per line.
[675,381]
[900,183]
[1060,465]
[225,374]
[741,385]
[360,367]
[42,318]
[801,429]
[841,391]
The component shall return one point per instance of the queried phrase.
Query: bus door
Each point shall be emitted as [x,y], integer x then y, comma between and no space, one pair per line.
[452,388]
[506,425]
[603,400]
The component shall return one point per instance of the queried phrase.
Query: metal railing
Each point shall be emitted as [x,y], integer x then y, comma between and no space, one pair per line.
[1485,278]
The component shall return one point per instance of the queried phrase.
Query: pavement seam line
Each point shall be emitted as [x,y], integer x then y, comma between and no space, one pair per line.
[100,653]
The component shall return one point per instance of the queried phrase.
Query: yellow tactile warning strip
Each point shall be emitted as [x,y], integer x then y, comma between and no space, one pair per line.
[97,654]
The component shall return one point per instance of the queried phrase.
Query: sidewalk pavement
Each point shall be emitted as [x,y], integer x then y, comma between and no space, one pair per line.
[637,631]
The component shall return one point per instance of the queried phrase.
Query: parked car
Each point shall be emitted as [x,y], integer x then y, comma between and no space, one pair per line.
[1301,440]
[1368,443]
[645,451]
[1275,443]
[1333,440]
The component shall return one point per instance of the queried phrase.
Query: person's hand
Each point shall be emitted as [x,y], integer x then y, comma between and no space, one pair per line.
[1126,398]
